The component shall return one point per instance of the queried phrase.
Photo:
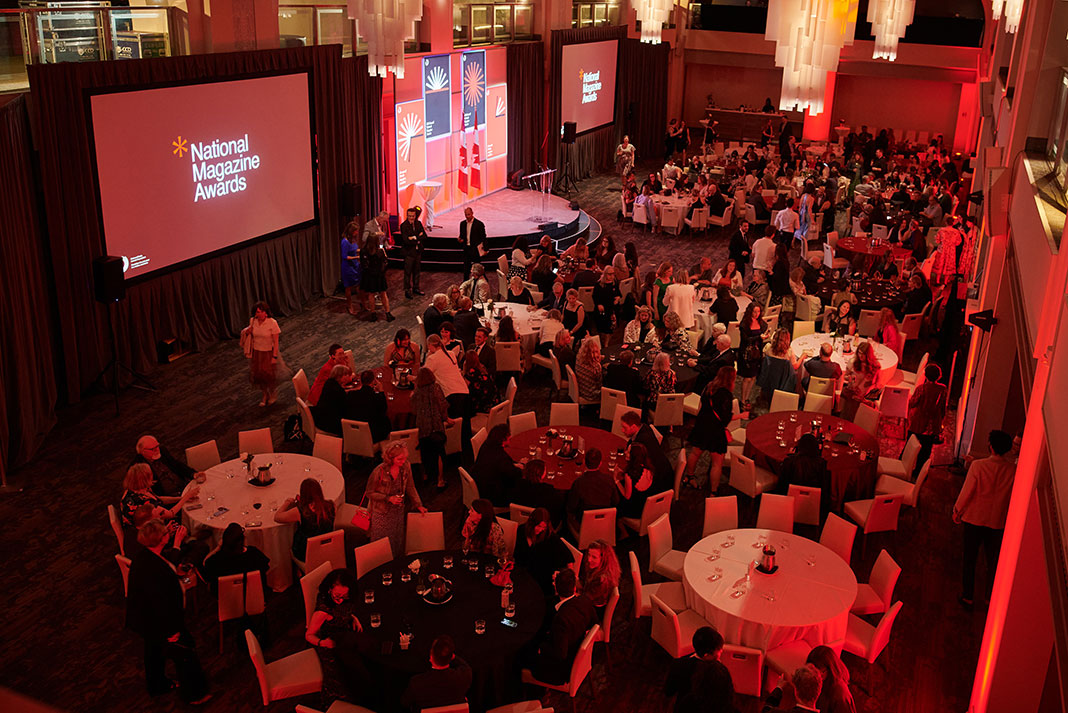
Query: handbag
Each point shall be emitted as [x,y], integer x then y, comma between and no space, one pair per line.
[362,518]
[246,342]
[503,576]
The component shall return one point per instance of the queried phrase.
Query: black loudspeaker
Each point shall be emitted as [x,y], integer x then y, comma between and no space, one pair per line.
[108,283]
[350,201]
[569,132]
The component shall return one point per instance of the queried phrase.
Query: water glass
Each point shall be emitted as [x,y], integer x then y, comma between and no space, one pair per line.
[447,562]
[713,557]
[490,569]
[406,576]
[376,620]
[480,626]
[472,565]
[810,560]
[387,579]
[368,596]
[509,611]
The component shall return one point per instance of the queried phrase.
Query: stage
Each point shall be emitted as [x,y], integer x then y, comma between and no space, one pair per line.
[508,215]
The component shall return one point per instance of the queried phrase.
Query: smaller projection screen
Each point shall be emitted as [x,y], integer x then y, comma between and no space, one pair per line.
[588,84]
[186,171]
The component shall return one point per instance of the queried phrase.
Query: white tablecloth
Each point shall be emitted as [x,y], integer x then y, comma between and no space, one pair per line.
[811,343]
[527,324]
[274,539]
[704,320]
[811,602]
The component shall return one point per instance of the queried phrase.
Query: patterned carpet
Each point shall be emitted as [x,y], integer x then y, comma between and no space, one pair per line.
[63,638]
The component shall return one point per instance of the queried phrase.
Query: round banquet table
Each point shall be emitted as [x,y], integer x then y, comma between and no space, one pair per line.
[854,245]
[490,655]
[227,486]
[685,376]
[562,472]
[811,343]
[527,323]
[704,318]
[800,601]
[398,401]
[868,293]
[851,477]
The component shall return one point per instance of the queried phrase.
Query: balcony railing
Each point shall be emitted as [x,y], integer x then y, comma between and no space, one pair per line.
[592,14]
[491,24]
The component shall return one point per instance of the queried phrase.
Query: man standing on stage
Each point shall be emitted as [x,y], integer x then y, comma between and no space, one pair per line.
[412,236]
[473,238]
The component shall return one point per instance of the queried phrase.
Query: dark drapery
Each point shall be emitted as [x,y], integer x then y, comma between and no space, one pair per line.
[203,302]
[27,381]
[361,135]
[641,79]
[526,105]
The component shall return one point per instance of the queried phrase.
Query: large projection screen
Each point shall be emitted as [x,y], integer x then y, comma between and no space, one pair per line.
[187,171]
[588,84]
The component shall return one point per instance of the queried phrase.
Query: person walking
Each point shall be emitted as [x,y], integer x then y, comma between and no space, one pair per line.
[412,241]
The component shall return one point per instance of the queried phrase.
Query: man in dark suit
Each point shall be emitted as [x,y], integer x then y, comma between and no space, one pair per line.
[155,609]
[594,490]
[169,473]
[587,276]
[368,404]
[486,353]
[739,248]
[473,238]
[434,315]
[622,376]
[701,683]
[575,615]
[412,242]
[555,299]
[716,355]
[466,323]
[637,432]
[446,683]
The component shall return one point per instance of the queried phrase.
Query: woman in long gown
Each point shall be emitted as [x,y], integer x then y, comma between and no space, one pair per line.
[391,492]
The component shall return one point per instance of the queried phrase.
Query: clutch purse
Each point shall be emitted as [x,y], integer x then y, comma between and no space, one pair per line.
[362,518]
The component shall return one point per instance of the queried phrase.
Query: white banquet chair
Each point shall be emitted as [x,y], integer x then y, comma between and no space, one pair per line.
[295,675]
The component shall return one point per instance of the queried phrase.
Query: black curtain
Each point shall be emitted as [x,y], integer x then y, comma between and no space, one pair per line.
[526,106]
[641,103]
[204,302]
[361,135]
[27,380]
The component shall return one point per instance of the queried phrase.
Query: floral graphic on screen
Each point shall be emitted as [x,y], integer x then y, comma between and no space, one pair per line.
[436,80]
[474,84]
[500,107]
[410,127]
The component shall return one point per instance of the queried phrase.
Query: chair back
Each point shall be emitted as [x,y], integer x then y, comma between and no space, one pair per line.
[583,662]
[477,440]
[561,414]
[838,535]
[920,375]
[326,548]
[668,410]
[502,264]
[470,488]
[124,570]
[803,328]
[509,392]
[743,474]
[820,385]
[670,217]
[734,332]
[419,333]
[655,506]
[832,240]
[203,456]
[911,325]
[610,398]
[410,437]
[910,454]
[511,533]
[256,441]
[300,384]
[597,525]
[721,513]
[773,311]
[502,284]
[572,384]
[509,357]
[746,666]
[453,437]
[784,401]
[498,415]
[884,513]
[426,533]
[373,554]
[695,338]
[828,256]
[307,423]
[776,513]
[617,419]
[680,470]
[881,638]
[309,587]
[772,322]
[884,576]
[855,223]
[699,219]
[899,348]
[116,527]
[660,539]
[586,298]
[818,403]
[806,504]
[240,594]
[520,422]
[868,324]
[256,654]
[665,628]
[880,232]
[636,583]
[609,612]
[356,439]
[913,498]
[626,287]
[328,448]
[868,419]
[519,513]
[454,708]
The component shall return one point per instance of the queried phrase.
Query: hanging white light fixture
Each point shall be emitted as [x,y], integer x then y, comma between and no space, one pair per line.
[384,26]
[888,19]
[1012,8]
[653,14]
[809,36]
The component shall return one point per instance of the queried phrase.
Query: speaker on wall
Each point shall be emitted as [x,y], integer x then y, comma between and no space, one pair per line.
[350,201]
[569,132]
[108,282]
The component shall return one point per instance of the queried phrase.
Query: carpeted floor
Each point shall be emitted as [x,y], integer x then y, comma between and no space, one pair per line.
[63,638]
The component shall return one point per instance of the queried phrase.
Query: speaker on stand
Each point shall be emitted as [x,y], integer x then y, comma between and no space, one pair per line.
[565,179]
[109,288]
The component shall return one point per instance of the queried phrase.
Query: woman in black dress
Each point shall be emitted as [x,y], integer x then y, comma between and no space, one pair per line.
[539,549]
[751,347]
[606,301]
[575,316]
[710,430]
[373,278]
[333,631]
[635,482]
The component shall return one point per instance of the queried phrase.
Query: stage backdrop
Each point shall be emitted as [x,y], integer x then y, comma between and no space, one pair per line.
[449,125]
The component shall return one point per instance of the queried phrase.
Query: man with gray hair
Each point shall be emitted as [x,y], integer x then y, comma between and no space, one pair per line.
[169,473]
[435,314]
[711,361]
[822,367]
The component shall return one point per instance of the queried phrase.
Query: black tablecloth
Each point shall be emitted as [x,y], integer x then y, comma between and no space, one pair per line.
[685,377]
[492,655]
[868,293]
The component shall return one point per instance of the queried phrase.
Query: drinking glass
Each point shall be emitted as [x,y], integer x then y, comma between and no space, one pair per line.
[210,495]
[447,562]
[387,579]
[480,626]
[490,569]
[509,611]
[368,596]
[472,565]
[376,620]
[406,576]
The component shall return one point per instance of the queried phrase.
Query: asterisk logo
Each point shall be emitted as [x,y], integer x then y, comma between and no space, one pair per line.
[181,147]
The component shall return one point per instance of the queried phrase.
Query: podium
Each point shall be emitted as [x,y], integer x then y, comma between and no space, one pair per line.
[540,183]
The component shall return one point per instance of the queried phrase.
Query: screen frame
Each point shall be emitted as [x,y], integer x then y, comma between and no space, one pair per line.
[87,96]
[615,92]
